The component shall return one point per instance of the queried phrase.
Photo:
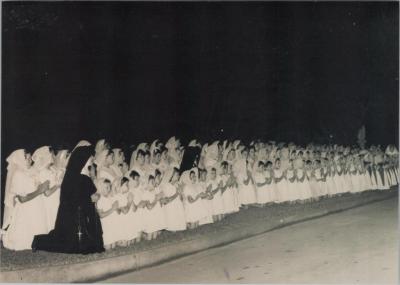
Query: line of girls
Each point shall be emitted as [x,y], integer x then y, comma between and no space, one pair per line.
[140,199]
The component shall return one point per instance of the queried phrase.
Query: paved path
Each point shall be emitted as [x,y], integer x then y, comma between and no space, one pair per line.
[355,246]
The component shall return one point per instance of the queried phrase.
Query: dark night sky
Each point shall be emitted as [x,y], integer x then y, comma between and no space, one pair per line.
[135,71]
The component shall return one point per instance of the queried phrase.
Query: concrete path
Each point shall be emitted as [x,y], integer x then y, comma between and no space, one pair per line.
[355,246]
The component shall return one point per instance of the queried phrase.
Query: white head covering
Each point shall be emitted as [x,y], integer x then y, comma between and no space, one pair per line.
[42,158]
[236,143]
[16,161]
[132,162]
[171,143]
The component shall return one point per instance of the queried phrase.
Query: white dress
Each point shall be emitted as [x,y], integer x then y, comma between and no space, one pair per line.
[110,223]
[263,192]
[304,189]
[196,211]
[281,187]
[154,219]
[217,201]
[29,218]
[207,204]
[228,197]
[122,233]
[292,186]
[136,226]
[51,202]
[174,211]
[330,182]
[246,193]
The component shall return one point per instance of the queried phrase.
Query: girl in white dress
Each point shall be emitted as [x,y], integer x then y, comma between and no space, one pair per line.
[194,208]
[303,187]
[125,199]
[43,160]
[292,183]
[107,207]
[280,183]
[139,166]
[339,178]
[246,190]
[172,201]
[320,176]
[354,176]
[346,164]
[205,196]
[104,160]
[154,219]
[269,177]
[312,182]
[262,183]
[214,188]
[119,166]
[24,200]
[227,189]
[135,215]
[233,189]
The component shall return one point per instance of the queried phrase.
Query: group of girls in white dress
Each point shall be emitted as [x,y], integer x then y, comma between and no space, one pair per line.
[139,199]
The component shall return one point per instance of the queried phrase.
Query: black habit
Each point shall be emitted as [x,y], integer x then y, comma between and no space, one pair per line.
[78,227]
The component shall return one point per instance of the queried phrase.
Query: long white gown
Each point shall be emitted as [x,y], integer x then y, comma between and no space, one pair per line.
[174,211]
[52,202]
[29,218]
[109,223]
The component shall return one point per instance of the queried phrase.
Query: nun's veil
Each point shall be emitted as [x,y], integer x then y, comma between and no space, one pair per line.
[77,161]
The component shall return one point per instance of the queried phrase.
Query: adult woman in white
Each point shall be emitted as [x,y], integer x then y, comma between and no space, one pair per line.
[25,201]
[43,162]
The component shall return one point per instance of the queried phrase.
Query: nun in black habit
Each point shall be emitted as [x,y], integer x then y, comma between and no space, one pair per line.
[78,227]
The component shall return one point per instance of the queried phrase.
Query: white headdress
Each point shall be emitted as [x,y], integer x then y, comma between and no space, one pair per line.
[16,161]
[42,158]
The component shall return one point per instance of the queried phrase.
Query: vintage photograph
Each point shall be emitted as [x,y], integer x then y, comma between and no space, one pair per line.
[199,142]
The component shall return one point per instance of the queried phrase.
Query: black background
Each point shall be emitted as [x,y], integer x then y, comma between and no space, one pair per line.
[133,72]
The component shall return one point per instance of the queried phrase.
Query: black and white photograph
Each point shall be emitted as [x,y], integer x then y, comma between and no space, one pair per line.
[208,142]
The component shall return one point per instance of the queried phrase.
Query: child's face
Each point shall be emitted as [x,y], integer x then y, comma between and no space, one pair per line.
[158,179]
[193,177]
[28,159]
[140,159]
[157,158]
[213,174]
[135,181]
[110,159]
[107,188]
[175,177]
[125,187]
[203,176]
